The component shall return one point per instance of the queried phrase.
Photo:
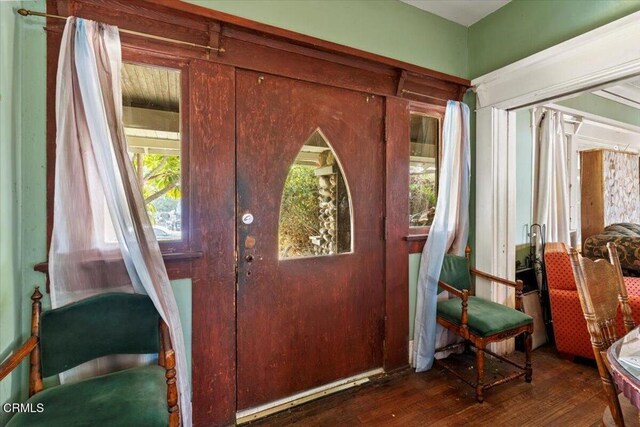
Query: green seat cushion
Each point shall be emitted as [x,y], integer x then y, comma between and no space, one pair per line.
[133,397]
[485,317]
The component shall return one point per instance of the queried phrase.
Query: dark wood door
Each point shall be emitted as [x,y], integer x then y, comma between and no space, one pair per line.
[304,322]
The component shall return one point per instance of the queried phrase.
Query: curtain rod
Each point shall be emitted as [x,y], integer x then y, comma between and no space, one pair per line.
[424,95]
[27,12]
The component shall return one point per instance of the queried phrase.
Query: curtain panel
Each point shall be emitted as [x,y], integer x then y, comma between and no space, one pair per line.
[551,179]
[102,240]
[448,233]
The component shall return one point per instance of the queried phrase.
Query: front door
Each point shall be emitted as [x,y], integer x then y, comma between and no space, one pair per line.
[310,235]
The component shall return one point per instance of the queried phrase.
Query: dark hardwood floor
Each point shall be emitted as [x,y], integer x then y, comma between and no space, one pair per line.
[563,393]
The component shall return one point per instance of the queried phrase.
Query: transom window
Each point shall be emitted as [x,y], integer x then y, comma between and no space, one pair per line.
[423,169]
[315,213]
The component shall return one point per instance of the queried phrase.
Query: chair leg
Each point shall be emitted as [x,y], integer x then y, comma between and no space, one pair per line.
[614,403]
[527,352]
[480,374]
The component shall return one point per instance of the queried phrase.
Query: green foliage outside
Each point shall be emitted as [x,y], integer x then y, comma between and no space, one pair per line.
[299,212]
[160,182]
[422,199]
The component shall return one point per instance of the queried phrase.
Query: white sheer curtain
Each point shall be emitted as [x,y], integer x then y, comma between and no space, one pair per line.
[551,178]
[448,233]
[102,238]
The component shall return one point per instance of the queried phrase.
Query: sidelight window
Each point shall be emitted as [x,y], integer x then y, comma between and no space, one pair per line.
[315,212]
[423,169]
[151,115]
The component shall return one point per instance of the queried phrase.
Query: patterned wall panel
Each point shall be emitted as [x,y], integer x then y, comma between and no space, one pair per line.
[622,188]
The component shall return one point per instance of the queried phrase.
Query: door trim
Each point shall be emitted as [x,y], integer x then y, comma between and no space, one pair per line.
[252,414]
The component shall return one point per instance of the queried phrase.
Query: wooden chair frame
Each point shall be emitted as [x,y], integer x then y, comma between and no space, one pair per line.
[481,343]
[602,326]
[31,347]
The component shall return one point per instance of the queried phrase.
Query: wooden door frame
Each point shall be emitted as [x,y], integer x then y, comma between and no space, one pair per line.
[209,259]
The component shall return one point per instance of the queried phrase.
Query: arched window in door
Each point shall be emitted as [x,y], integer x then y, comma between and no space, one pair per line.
[315,211]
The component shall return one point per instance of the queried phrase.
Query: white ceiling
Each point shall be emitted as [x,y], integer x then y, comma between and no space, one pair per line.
[464,12]
[625,93]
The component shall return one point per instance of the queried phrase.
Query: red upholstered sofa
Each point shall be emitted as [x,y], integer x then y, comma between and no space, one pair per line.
[569,326]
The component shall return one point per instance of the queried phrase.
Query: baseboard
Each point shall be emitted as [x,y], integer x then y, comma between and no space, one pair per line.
[252,414]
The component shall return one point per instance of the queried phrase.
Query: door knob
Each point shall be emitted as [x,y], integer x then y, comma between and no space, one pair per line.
[247,218]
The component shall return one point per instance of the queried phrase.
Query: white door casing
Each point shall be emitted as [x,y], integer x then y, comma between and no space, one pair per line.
[590,61]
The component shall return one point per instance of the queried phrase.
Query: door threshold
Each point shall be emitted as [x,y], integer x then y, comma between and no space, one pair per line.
[252,414]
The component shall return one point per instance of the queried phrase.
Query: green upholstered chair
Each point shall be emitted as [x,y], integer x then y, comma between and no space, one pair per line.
[106,324]
[481,322]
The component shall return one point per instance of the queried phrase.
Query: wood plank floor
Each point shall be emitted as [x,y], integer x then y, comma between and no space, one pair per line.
[563,393]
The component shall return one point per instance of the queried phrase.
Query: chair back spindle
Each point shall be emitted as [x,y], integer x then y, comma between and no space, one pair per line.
[627,317]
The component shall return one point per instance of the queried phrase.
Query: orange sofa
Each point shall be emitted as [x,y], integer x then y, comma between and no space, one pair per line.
[569,327]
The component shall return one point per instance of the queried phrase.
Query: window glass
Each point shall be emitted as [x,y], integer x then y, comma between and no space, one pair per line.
[423,169]
[151,113]
[315,213]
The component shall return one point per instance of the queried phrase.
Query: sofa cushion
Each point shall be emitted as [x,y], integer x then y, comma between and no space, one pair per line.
[569,327]
[133,397]
[623,229]
[559,270]
[626,236]
[485,317]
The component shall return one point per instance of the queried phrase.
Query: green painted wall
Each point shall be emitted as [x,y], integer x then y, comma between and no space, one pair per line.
[604,107]
[386,27]
[414,267]
[524,27]
[10,283]
[524,166]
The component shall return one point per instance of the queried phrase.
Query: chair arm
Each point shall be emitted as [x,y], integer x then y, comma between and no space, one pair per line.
[493,278]
[464,296]
[518,285]
[165,337]
[14,360]
[447,287]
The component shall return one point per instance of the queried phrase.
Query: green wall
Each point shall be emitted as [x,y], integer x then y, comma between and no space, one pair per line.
[10,283]
[524,166]
[604,107]
[386,27]
[524,27]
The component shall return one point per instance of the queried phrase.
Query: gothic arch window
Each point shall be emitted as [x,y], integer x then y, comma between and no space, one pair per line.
[315,209]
